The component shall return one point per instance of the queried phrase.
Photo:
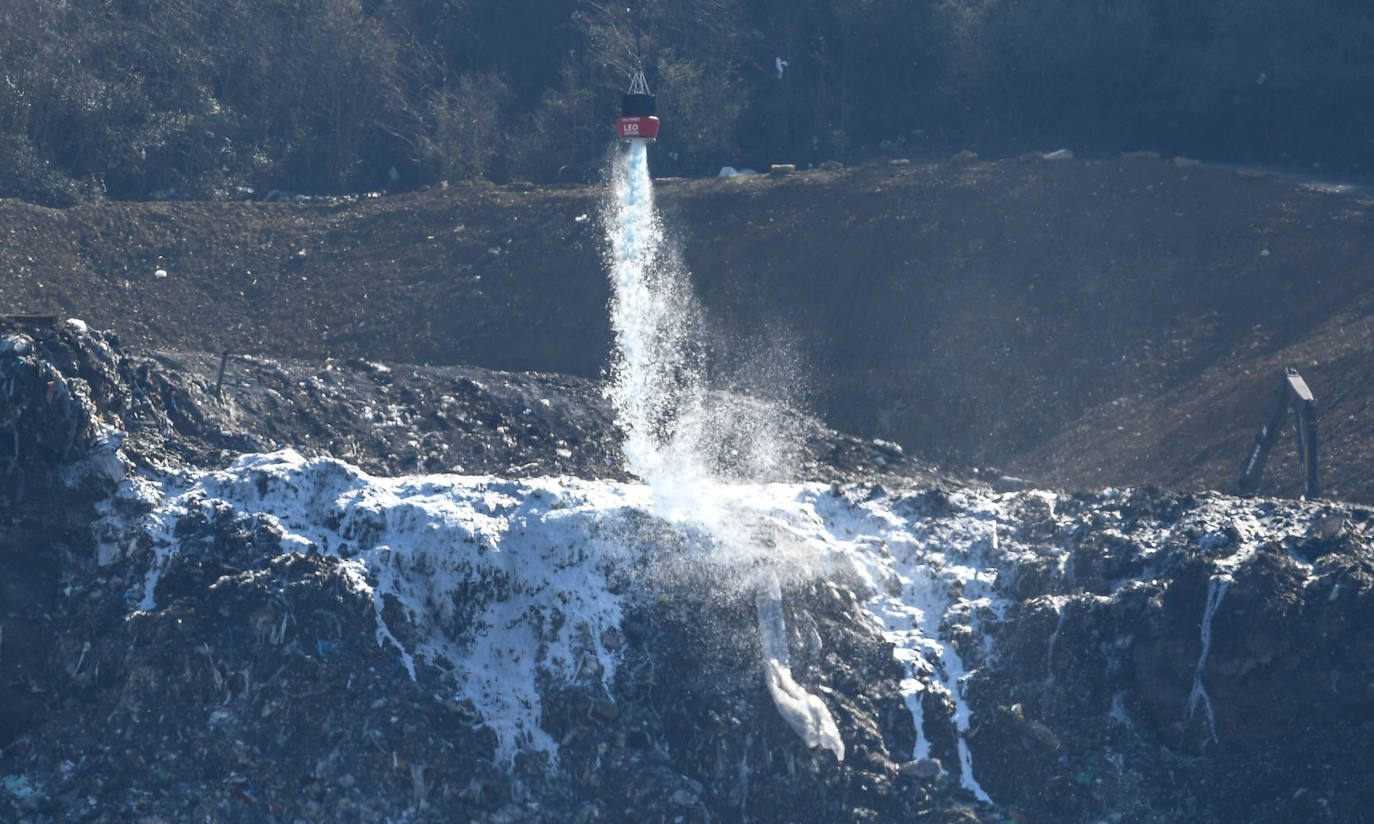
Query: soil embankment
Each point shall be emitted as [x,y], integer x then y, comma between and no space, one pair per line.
[1082,323]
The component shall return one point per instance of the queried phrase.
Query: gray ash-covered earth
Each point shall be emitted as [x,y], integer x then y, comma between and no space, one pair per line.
[1127,655]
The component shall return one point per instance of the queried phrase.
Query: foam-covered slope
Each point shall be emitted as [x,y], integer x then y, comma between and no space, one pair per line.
[238,640]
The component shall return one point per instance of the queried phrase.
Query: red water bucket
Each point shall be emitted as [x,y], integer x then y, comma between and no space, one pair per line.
[638,128]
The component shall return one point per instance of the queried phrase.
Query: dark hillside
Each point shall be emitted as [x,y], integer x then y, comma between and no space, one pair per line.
[233,99]
[974,312]
[1089,323]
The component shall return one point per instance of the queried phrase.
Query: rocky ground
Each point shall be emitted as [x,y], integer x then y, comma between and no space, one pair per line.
[201,711]
[256,690]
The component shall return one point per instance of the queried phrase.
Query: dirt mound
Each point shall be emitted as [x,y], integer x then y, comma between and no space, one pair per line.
[240,680]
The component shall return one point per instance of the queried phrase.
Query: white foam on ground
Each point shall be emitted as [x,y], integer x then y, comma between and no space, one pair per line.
[805,713]
[1197,696]
[507,581]
[503,579]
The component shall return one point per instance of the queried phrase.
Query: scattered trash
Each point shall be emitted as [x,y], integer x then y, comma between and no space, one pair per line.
[21,788]
[925,769]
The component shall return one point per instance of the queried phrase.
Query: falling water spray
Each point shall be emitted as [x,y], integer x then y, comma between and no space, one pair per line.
[656,385]
[674,430]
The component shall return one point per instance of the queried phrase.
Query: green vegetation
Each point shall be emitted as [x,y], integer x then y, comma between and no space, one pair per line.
[214,98]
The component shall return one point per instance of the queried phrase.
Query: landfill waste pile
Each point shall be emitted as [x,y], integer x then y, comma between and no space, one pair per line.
[247,590]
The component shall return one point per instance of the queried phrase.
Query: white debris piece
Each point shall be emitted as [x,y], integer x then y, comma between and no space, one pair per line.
[805,713]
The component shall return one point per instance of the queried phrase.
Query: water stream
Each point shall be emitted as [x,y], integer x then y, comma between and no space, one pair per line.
[673,436]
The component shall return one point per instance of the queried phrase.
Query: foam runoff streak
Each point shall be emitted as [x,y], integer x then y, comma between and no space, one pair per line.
[1216,590]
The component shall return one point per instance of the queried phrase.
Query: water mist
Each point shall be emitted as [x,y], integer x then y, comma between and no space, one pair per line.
[677,433]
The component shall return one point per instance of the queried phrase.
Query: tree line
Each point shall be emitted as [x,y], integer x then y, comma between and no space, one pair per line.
[130,99]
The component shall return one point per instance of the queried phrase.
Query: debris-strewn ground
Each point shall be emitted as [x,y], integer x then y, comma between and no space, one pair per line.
[1138,655]
[256,690]
[1086,323]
